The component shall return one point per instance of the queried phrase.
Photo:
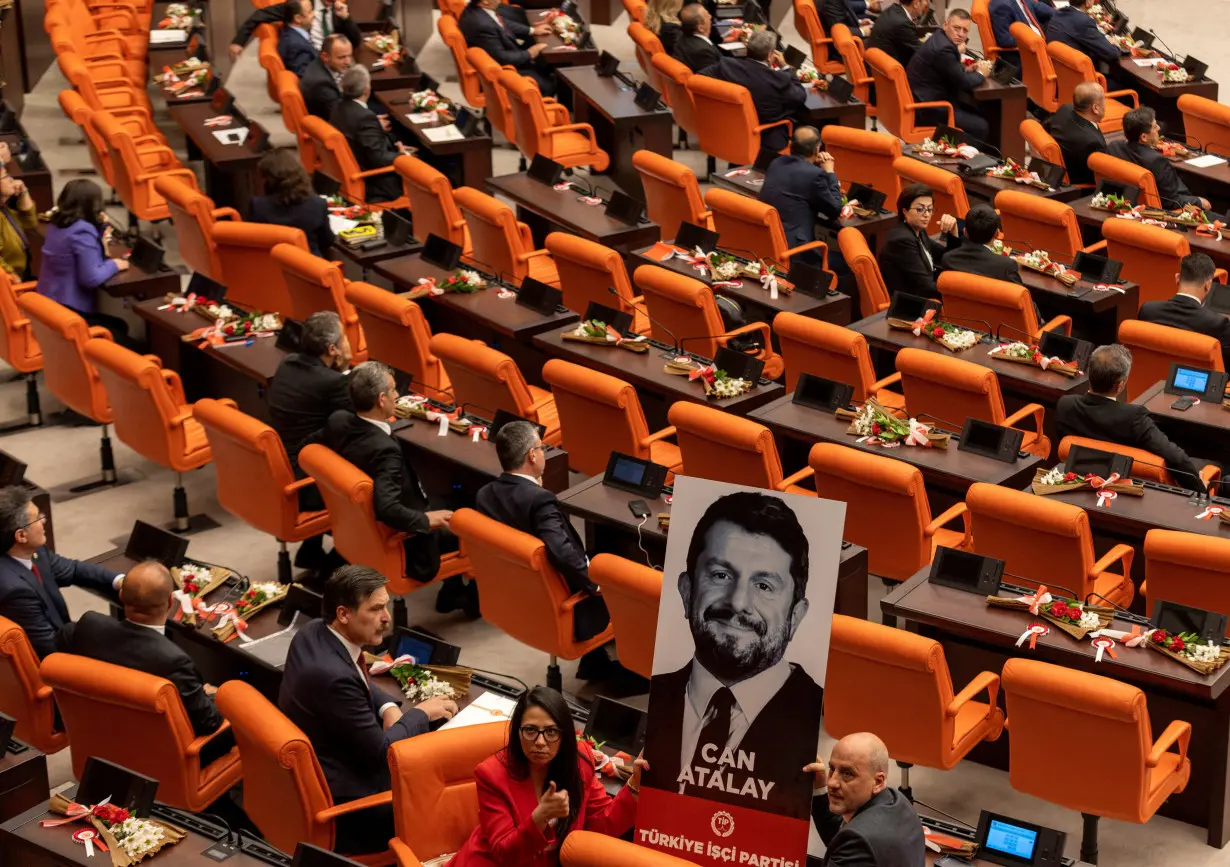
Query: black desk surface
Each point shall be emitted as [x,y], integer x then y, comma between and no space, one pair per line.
[259,361]
[233,157]
[613,99]
[986,187]
[461,451]
[395,101]
[1207,414]
[1208,244]
[1146,77]
[571,215]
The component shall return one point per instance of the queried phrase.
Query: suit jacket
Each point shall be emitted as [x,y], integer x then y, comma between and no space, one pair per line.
[895,34]
[935,72]
[122,642]
[1102,418]
[885,832]
[977,259]
[38,606]
[502,43]
[311,215]
[1074,28]
[276,14]
[903,265]
[301,397]
[838,12]
[669,33]
[776,95]
[696,52]
[782,736]
[1184,311]
[323,693]
[1005,13]
[800,191]
[506,836]
[320,92]
[371,145]
[1170,186]
[297,51]
[1077,139]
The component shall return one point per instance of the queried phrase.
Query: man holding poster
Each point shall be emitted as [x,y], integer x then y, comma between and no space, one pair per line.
[738,720]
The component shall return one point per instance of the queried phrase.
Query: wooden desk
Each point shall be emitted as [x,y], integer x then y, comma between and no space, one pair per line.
[1092,218]
[1201,430]
[390,77]
[986,187]
[231,179]
[556,53]
[822,110]
[23,781]
[613,528]
[1161,97]
[1003,106]
[1096,313]
[134,282]
[466,161]
[977,637]
[546,211]
[1213,182]
[621,127]
[357,261]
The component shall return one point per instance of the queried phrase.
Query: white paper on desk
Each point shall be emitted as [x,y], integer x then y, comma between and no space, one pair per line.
[1205,162]
[1149,61]
[167,37]
[443,133]
[231,136]
[340,224]
[731,46]
[488,707]
[422,117]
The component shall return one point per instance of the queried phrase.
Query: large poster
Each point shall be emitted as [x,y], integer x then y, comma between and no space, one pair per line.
[738,674]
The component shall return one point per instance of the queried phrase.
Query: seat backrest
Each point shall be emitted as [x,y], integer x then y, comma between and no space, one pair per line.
[877,489]
[872,291]
[1052,704]
[980,11]
[947,189]
[598,414]
[869,663]
[97,700]
[397,334]
[435,796]
[450,33]
[529,114]
[431,201]
[674,76]
[482,377]
[1145,465]
[823,349]
[125,163]
[672,193]
[283,780]
[725,120]
[971,297]
[1072,67]
[494,232]
[1155,346]
[314,284]
[632,593]
[192,213]
[76,109]
[357,535]
[1042,223]
[587,271]
[17,344]
[756,225]
[62,335]
[294,110]
[271,62]
[337,160]
[1187,568]
[453,8]
[499,111]
[949,388]
[1106,167]
[681,304]
[1040,539]
[850,49]
[646,44]
[1206,121]
[893,97]
[1037,71]
[253,278]
[591,849]
[23,696]
[636,9]
[1150,255]
[723,447]
[1040,142]
[865,157]
[807,24]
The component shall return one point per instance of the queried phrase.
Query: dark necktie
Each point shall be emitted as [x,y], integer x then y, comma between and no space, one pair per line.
[715,729]
[37,574]
[1033,22]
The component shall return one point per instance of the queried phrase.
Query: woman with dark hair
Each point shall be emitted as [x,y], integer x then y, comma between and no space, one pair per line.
[75,263]
[909,259]
[290,201]
[540,787]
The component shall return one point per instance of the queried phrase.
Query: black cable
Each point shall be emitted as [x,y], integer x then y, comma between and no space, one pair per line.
[960,822]
[524,686]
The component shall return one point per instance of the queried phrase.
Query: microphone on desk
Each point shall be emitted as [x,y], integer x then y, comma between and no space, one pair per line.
[1028,337]
[943,421]
[417,385]
[1072,594]
[1173,55]
[1120,611]
[948,318]
[1196,496]
[1014,242]
[472,264]
[678,343]
[488,414]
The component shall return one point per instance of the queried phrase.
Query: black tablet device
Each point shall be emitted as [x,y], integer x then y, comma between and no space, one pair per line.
[290,337]
[1195,381]
[146,255]
[635,475]
[624,208]
[1177,619]
[910,307]
[7,724]
[539,296]
[608,64]
[545,170]
[689,236]
[840,89]
[1050,174]
[1002,72]
[867,197]
[302,600]
[1195,68]
[258,138]
[738,365]
[127,789]
[990,440]
[951,133]
[147,542]
[204,287]
[794,57]
[966,571]
[426,649]
[307,855]
[620,320]
[1013,843]
[441,252]
[764,159]
[826,395]
[1139,34]
[12,471]
[503,417]
[1097,269]
[1054,344]
[616,725]
[1127,192]
[396,228]
[647,98]
[466,122]
[810,279]
[30,159]
[1083,461]
[1218,298]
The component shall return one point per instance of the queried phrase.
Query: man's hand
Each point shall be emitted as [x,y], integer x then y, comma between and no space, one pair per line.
[437,708]
[1204,203]
[865,23]
[821,774]
[341,10]
[638,765]
[826,161]
[209,688]
[392,714]
[542,28]
[385,123]
[984,66]
[777,60]
[121,264]
[948,224]
[235,51]
[406,149]
[552,805]
[439,518]
[536,49]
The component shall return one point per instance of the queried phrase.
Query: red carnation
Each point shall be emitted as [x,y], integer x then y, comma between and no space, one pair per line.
[1058,609]
[1177,644]
[938,332]
[1159,636]
[1069,477]
[191,588]
[875,427]
[230,329]
[251,594]
[110,814]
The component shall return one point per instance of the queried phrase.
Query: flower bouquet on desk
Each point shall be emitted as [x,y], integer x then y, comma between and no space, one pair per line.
[946,334]
[999,248]
[1189,215]
[180,16]
[598,333]
[462,282]
[1075,618]
[562,25]
[1172,150]
[945,147]
[383,43]
[1110,202]
[875,424]
[257,599]
[742,32]
[1041,261]
[421,682]
[1024,353]
[1172,73]
[342,207]
[127,839]
[428,100]
[1186,647]
[1011,170]
[716,383]
[240,327]
[184,68]
[617,767]
[193,582]
[1057,481]
[418,406]
[214,311]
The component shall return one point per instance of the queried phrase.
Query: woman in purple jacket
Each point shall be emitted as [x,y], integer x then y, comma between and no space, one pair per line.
[75,264]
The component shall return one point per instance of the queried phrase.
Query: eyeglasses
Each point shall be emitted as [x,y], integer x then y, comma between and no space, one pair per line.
[550,734]
[38,519]
[923,209]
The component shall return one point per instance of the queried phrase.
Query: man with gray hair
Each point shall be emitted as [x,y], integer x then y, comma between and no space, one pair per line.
[775,92]
[368,138]
[1100,415]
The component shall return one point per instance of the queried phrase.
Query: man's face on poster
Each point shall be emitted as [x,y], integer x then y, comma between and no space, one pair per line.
[740,603]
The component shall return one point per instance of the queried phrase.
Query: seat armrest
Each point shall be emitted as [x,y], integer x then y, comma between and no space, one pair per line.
[891,379]
[540,403]
[1126,553]
[987,680]
[1219,274]
[405,857]
[99,332]
[915,106]
[1178,732]
[960,509]
[805,473]
[584,128]
[665,433]
[1211,475]
[377,800]
[525,257]
[197,744]
[28,286]
[1063,323]
[298,485]
[383,170]
[788,123]
[1131,95]
[810,245]
[574,600]
[1034,409]
[1100,245]
[226,214]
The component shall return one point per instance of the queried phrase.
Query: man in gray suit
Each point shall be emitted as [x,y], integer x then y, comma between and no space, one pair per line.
[861,819]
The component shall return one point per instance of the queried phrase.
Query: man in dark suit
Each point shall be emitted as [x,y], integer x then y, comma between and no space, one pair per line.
[744,594]
[368,135]
[1141,135]
[332,16]
[896,30]
[695,49]
[321,83]
[1004,13]
[295,41]
[1100,416]
[140,642]
[31,575]
[863,821]
[350,722]
[1186,308]
[776,93]
[936,74]
[802,186]
[1075,128]
[974,256]
[839,12]
[908,257]
[1073,27]
[494,27]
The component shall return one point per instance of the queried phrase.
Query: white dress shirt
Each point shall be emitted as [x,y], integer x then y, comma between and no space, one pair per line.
[356,653]
[524,476]
[1029,17]
[383,425]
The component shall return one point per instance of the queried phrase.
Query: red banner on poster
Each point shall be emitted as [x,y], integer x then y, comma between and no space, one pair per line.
[704,832]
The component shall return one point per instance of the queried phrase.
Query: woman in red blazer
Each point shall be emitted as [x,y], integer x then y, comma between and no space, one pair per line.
[537,789]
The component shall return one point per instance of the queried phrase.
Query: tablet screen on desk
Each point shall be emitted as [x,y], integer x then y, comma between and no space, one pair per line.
[1191,379]
[1012,840]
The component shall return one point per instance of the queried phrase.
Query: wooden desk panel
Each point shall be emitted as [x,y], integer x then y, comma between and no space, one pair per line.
[231,178]
[1202,430]
[986,187]
[23,781]
[1162,97]
[466,161]
[1092,218]
[1003,106]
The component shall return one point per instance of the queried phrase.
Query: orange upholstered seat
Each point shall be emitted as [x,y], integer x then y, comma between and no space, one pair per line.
[872,291]
[1155,346]
[1206,122]
[632,593]
[253,278]
[450,35]
[726,120]
[728,448]
[25,697]
[314,285]
[501,241]
[1037,71]
[1145,465]
[588,272]
[757,227]
[431,202]
[674,77]
[193,214]
[133,179]
[807,24]
[1041,144]
[591,849]
[850,49]
[865,157]
[1150,255]
[398,334]
[1008,307]
[894,101]
[1187,568]
[833,352]
[1042,223]
[672,193]
[338,162]
[946,188]
[569,144]
[1107,167]
[1073,67]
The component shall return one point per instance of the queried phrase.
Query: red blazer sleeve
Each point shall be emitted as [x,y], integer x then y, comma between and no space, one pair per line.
[604,814]
[511,839]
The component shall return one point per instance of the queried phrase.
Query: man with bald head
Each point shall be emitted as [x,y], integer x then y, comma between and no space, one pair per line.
[802,187]
[140,642]
[862,820]
[1075,129]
